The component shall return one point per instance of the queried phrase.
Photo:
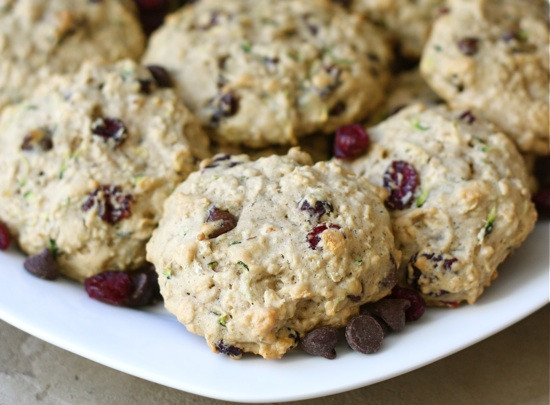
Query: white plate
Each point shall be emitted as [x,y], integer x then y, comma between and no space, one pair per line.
[154,346]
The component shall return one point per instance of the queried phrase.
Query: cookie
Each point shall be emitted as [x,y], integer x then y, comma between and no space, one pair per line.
[492,57]
[87,162]
[407,22]
[41,37]
[318,146]
[406,88]
[254,254]
[262,72]
[458,197]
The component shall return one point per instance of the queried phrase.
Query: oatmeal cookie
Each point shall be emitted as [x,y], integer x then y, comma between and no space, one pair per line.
[406,88]
[458,197]
[254,254]
[87,162]
[39,38]
[261,72]
[492,57]
[408,22]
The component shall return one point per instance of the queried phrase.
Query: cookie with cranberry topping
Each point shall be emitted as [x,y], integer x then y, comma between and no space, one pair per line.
[39,38]
[263,72]
[458,195]
[87,162]
[255,254]
[492,57]
[408,22]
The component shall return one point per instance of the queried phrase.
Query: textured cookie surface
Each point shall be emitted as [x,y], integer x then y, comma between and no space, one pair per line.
[253,255]
[260,72]
[87,162]
[459,198]
[408,21]
[41,37]
[492,56]
[405,89]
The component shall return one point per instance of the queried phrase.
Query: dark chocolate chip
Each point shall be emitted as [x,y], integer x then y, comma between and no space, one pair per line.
[364,334]
[43,265]
[227,221]
[230,350]
[321,342]
[391,311]
[161,76]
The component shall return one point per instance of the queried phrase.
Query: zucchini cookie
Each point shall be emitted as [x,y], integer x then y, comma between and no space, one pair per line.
[458,197]
[42,37]
[492,57]
[254,254]
[408,21]
[88,161]
[405,89]
[261,72]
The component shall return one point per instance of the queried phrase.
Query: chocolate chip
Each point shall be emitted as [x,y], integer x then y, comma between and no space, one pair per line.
[161,76]
[227,221]
[321,342]
[146,288]
[230,350]
[43,265]
[364,334]
[468,46]
[391,311]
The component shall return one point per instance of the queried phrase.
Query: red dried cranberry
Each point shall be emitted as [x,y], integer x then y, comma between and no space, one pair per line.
[5,237]
[418,306]
[230,350]
[351,141]
[112,204]
[227,221]
[225,105]
[314,236]
[110,129]
[161,76]
[401,180]
[318,210]
[124,288]
[468,46]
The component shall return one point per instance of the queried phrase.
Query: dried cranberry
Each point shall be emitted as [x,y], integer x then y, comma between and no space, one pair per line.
[110,129]
[313,237]
[125,288]
[112,204]
[468,46]
[401,180]
[468,117]
[230,350]
[38,139]
[161,76]
[351,141]
[5,237]
[227,221]
[318,210]
[43,265]
[418,306]
[225,105]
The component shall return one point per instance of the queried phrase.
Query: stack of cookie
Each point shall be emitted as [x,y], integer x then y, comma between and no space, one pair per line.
[189,162]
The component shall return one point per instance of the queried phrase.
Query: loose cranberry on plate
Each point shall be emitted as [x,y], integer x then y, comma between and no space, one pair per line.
[5,237]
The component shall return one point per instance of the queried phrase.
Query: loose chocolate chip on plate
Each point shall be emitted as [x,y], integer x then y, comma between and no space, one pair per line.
[364,334]
[321,342]
[42,265]
[391,311]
